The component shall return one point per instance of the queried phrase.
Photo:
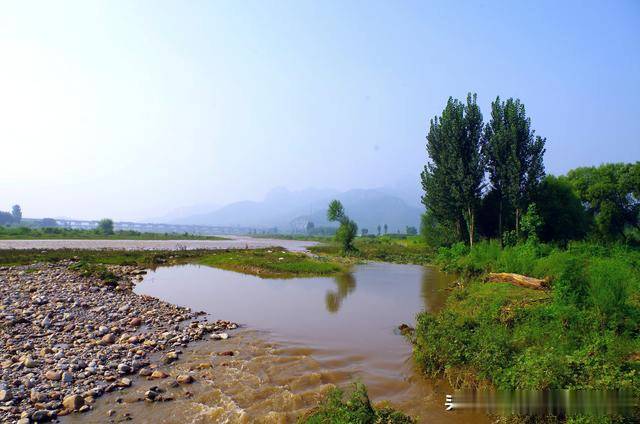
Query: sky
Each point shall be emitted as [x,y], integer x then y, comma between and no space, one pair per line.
[129,109]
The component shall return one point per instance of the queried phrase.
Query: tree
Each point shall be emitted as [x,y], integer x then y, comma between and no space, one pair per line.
[309,227]
[563,216]
[453,177]
[17,213]
[435,234]
[6,218]
[364,232]
[531,224]
[348,229]
[411,231]
[105,226]
[385,228]
[514,156]
[611,194]
[379,229]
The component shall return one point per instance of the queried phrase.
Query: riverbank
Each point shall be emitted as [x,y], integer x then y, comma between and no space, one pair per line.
[401,250]
[68,338]
[230,242]
[52,233]
[579,333]
[266,263]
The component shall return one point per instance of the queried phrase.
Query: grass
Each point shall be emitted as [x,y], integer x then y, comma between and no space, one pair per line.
[395,249]
[356,409]
[583,333]
[269,263]
[27,233]
[263,262]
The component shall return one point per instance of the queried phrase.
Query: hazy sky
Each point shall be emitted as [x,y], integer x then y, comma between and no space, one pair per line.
[128,109]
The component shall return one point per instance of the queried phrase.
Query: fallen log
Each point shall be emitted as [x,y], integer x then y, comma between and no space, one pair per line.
[517,280]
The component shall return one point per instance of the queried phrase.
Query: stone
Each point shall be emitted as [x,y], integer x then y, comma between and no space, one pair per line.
[23,421]
[144,372]
[170,357]
[135,322]
[37,397]
[5,395]
[42,415]
[159,374]
[53,375]
[124,382]
[29,362]
[124,369]
[67,377]
[226,353]
[73,402]
[109,338]
[220,336]
[151,395]
[184,379]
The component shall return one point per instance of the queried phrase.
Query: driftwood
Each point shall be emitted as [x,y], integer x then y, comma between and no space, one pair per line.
[518,280]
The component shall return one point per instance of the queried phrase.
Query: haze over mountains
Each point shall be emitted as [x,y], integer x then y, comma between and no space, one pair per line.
[290,210]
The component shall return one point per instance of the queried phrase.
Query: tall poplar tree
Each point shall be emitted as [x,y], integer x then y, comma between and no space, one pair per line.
[514,156]
[452,179]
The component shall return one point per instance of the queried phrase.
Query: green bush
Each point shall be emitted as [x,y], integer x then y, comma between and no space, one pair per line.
[356,410]
[583,333]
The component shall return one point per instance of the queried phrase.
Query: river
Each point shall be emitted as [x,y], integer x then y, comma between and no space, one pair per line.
[300,337]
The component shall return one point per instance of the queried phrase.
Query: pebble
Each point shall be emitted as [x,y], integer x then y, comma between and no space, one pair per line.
[184,379]
[67,338]
[73,402]
[159,374]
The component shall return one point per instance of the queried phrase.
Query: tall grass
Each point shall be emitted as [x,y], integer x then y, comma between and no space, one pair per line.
[584,332]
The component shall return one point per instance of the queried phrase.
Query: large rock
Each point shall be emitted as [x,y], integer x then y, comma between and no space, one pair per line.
[73,402]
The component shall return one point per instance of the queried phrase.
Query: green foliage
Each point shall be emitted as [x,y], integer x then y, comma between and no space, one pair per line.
[335,211]
[357,409]
[514,155]
[452,180]
[563,216]
[583,333]
[531,224]
[96,270]
[411,231]
[611,193]
[6,218]
[389,248]
[105,226]
[16,212]
[268,263]
[348,229]
[434,233]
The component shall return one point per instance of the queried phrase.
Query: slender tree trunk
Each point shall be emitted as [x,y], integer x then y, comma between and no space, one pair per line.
[517,223]
[500,223]
[470,225]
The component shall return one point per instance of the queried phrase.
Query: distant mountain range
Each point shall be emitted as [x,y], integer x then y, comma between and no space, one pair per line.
[289,210]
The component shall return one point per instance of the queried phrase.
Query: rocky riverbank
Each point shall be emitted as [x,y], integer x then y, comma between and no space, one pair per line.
[67,338]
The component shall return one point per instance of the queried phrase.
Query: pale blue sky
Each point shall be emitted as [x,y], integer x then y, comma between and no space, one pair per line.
[131,108]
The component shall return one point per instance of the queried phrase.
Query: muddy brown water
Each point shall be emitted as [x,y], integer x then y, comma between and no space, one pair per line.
[300,337]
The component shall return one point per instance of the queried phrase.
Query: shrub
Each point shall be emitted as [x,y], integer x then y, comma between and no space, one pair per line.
[357,409]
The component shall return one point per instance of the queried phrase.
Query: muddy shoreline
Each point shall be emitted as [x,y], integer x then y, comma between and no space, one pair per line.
[67,339]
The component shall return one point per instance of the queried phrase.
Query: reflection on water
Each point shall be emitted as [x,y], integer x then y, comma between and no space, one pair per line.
[346,284]
[305,334]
